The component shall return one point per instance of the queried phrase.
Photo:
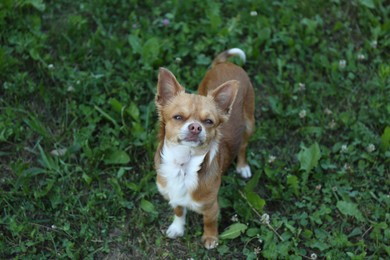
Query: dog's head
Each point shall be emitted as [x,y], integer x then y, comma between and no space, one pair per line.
[190,119]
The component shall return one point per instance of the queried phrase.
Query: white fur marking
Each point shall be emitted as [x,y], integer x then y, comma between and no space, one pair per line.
[245,171]
[213,151]
[179,166]
[176,229]
[238,52]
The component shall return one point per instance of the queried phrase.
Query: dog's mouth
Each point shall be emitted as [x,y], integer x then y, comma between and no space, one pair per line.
[192,140]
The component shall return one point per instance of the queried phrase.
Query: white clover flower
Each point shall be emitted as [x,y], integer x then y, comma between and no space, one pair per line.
[271,159]
[302,114]
[6,85]
[342,64]
[302,86]
[361,57]
[347,167]
[332,124]
[344,148]
[327,111]
[253,13]
[265,218]
[370,148]
[313,256]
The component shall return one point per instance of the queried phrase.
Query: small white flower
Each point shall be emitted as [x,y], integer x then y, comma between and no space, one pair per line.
[302,86]
[53,226]
[342,64]
[344,148]
[50,66]
[78,82]
[265,218]
[370,148]
[6,85]
[318,187]
[178,60]
[257,250]
[58,152]
[313,256]
[347,167]
[361,57]
[253,13]
[234,218]
[332,124]
[327,111]
[70,88]
[271,159]
[374,44]
[302,114]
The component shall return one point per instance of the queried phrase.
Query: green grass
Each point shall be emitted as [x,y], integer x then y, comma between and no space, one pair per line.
[78,127]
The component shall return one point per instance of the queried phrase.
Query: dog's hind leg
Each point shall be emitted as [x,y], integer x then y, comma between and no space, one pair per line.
[242,165]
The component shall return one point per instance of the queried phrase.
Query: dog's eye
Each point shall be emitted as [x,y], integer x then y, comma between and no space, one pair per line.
[209,122]
[178,117]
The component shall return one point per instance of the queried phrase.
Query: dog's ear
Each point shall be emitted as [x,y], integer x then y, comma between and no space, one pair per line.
[225,95]
[167,87]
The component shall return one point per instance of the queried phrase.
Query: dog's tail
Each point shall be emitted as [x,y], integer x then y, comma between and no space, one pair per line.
[223,56]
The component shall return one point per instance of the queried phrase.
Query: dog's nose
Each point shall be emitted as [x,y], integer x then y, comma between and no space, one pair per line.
[195,128]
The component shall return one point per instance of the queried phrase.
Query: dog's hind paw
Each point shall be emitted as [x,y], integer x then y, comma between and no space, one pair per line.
[244,171]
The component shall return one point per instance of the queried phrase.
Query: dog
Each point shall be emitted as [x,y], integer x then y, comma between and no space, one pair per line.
[199,137]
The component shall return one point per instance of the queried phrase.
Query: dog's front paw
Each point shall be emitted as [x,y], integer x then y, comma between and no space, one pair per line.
[244,171]
[210,242]
[175,230]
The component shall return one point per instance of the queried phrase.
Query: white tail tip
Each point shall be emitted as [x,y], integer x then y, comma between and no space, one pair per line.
[238,52]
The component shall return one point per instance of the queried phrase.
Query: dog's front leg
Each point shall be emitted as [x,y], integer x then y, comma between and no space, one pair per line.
[176,229]
[210,225]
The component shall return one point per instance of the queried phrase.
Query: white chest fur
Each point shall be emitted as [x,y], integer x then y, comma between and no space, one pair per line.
[179,167]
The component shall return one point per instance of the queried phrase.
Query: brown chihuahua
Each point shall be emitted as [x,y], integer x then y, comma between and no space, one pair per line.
[200,135]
